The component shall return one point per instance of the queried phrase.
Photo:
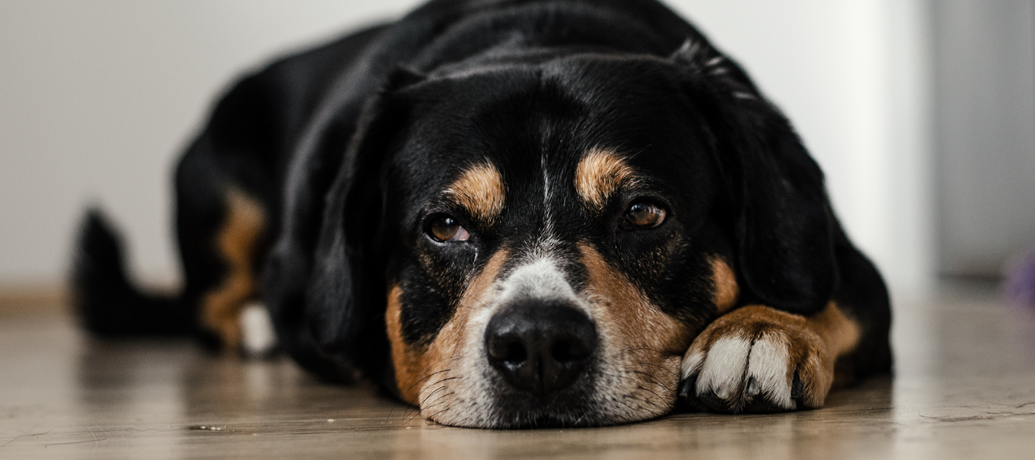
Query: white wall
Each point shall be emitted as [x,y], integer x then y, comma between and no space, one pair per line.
[985,121]
[852,76]
[96,99]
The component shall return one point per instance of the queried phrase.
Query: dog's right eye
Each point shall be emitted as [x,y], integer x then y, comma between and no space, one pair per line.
[644,214]
[445,228]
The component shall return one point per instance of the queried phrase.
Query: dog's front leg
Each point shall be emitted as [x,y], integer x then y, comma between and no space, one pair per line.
[759,359]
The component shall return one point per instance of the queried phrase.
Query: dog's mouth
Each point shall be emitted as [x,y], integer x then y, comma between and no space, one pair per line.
[548,417]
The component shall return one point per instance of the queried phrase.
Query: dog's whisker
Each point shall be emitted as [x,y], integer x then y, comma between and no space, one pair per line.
[582,416]
[653,365]
[444,380]
[439,400]
[443,387]
[652,379]
[432,416]
[413,413]
[427,377]
[653,350]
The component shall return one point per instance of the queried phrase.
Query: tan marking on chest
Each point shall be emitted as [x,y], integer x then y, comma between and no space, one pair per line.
[599,175]
[479,189]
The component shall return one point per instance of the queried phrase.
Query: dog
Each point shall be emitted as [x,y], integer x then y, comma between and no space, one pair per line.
[511,214]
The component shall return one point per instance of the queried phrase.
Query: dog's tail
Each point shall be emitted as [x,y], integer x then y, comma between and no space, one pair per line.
[107,302]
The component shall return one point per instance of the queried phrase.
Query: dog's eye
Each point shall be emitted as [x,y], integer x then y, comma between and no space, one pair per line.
[445,228]
[644,214]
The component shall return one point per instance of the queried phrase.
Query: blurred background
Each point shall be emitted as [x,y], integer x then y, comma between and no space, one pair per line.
[921,113]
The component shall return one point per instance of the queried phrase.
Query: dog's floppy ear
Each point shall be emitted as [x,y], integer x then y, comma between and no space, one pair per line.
[784,227]
[346,295]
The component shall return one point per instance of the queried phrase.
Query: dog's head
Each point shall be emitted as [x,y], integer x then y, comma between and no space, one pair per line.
[538,243]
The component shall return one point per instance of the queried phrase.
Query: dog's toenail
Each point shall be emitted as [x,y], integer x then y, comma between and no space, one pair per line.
[689,386]
[722,392]
[753,387]
[797,388]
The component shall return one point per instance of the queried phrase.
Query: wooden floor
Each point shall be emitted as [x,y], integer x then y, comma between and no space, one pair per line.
[965,388]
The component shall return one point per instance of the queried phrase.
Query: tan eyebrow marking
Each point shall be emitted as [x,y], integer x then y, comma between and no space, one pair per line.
[479,190]
[599,175]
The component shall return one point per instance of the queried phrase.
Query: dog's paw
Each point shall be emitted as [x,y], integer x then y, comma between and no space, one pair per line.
[757,359]
[258,339]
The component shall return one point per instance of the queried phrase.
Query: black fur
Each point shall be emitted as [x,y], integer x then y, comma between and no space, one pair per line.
[348,146]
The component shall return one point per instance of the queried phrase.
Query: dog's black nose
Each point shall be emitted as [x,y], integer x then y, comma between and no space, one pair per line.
[540,347]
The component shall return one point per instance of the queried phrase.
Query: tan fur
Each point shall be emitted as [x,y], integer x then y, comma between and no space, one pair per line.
[406,362]
[418,370]
[645,344]
[813,343]
[236,241]
[599,175]
[479,190]
[840,332]
[629,311]
[725,285]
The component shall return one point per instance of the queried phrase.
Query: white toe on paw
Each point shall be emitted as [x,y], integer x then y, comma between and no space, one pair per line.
[691,364]
[258,337]
[723,369]
[769,366]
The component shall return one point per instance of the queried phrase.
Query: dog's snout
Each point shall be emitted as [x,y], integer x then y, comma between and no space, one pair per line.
[540,347]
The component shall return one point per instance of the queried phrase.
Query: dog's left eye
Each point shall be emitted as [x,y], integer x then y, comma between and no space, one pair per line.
[644,214]
[445,228]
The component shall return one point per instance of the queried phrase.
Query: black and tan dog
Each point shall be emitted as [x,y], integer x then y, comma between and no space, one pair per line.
[515,214]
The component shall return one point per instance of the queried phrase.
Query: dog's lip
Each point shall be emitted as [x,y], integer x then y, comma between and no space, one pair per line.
[540,421]
[519,402]
[572,407]
[547,416]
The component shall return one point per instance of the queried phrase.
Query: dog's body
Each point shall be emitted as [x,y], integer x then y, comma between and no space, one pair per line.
[517,213]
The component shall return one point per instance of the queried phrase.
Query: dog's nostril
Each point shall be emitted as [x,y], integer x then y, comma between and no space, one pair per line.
[516,353]
[513,352]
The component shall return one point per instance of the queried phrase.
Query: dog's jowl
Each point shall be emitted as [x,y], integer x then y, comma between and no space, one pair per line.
[515,214]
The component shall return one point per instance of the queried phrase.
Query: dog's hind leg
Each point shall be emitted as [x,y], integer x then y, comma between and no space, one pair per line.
[237,243]
[222,230]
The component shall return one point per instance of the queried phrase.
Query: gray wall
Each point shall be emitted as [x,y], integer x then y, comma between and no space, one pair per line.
[985,100]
